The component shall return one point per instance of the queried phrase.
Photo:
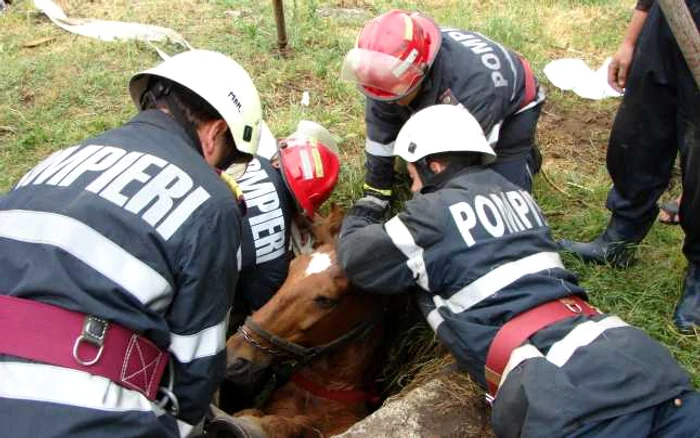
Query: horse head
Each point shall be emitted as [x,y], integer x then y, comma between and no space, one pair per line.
[315,310]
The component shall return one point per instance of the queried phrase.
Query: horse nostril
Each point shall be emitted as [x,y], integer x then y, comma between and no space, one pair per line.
[237,367]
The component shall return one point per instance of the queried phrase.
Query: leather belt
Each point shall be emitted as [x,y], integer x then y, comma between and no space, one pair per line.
[516,331]
[56,336]
[530,84]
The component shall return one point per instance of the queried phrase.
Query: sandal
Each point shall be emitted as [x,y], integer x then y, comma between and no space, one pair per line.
[669,213]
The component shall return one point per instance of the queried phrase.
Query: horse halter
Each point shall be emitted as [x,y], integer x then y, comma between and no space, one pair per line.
[283,349]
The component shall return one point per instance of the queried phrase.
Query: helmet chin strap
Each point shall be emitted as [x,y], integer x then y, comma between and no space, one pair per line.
[433,181]
[160,91]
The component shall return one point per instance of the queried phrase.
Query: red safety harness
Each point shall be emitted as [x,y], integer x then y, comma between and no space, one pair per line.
[530,85]
[56,336]
[516,331]
[344,396]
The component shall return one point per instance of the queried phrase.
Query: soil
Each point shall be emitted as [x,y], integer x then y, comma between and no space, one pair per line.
[575,135]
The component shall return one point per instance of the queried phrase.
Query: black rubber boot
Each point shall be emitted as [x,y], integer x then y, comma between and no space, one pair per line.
[615,246]
[687,314]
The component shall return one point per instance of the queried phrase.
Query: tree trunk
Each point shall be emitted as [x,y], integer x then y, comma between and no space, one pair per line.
[279,21]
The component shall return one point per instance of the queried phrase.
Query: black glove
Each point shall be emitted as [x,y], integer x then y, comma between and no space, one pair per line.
[369,207]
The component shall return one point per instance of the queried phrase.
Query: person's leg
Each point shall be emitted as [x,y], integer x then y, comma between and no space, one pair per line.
[678,417]
[674,418]
[687,312]
[518,155]
[637,424]
[641,150]
[668,212]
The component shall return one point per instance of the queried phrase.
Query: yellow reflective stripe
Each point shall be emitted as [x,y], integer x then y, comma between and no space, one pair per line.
[374,189]
[317,162]
[232,184]
[408,29]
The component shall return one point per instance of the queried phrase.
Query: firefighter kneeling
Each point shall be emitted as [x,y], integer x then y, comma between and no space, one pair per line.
[491,284]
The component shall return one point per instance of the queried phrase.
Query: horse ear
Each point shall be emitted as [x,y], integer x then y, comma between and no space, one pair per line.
[335,219]
[326,229]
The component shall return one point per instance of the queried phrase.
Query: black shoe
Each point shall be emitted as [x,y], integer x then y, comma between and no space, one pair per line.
[686,317]
[615,246]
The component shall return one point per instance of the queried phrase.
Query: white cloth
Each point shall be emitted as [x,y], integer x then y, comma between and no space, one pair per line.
[575,75]
[109,30]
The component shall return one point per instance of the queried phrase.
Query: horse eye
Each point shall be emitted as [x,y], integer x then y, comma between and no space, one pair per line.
[325,302]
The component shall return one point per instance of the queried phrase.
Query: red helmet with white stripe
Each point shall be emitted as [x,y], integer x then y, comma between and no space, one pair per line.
[310,169]
[392,54]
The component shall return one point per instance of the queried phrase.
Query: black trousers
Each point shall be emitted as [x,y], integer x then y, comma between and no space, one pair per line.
[659,117]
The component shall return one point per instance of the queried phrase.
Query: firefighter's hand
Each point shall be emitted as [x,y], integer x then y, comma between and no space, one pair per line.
[369,207]
[620,66]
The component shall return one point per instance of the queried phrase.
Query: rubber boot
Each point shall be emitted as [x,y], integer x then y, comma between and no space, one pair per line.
[219,424]
[615,246]
[687,313]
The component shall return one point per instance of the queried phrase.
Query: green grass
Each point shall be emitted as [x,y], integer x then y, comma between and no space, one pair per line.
[72,87]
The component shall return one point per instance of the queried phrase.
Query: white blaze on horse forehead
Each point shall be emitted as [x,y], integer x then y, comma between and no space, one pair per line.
[320,261]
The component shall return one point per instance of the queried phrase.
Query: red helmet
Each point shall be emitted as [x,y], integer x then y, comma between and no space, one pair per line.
[392,54]
[310,170]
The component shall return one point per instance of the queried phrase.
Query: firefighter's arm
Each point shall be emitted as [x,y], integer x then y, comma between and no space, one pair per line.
[622,59]
[198,317]
[380,258]
[383,124]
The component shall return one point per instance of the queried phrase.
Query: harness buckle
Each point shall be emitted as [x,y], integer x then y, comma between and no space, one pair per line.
[571,305]
[94,331]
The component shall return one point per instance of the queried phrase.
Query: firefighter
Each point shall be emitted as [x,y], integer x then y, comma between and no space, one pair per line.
[118,262]
[477,252]
[659,117]
[283,195]
[403,62]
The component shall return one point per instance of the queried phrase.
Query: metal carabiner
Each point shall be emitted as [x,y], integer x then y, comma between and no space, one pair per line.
[168,394]
[94,331]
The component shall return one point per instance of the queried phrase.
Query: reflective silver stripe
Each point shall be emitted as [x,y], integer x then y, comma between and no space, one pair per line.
[561,351]
[492,137]
[91,248]
[379,149]
[502,276]
[186,429]
[206,343]
[518,356]
[489,284]
[402,238]
[65,386]
[582,335]
[434,318]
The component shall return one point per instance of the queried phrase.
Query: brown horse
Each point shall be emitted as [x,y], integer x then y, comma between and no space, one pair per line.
[317,321]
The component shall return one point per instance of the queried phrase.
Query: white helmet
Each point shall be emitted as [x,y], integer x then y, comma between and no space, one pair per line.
[221,82]
[442,128]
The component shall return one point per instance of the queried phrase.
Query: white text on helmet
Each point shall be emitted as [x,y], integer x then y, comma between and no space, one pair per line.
[264,212]
[484,48]
[495,215]
[157,191]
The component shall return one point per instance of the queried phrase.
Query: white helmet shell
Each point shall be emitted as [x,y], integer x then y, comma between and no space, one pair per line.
[442,128]
[220,81]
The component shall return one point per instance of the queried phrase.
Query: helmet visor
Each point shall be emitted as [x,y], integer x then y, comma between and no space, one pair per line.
[381,76]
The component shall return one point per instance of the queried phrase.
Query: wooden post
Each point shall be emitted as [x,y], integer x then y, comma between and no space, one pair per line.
[685,31]
[281,29]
